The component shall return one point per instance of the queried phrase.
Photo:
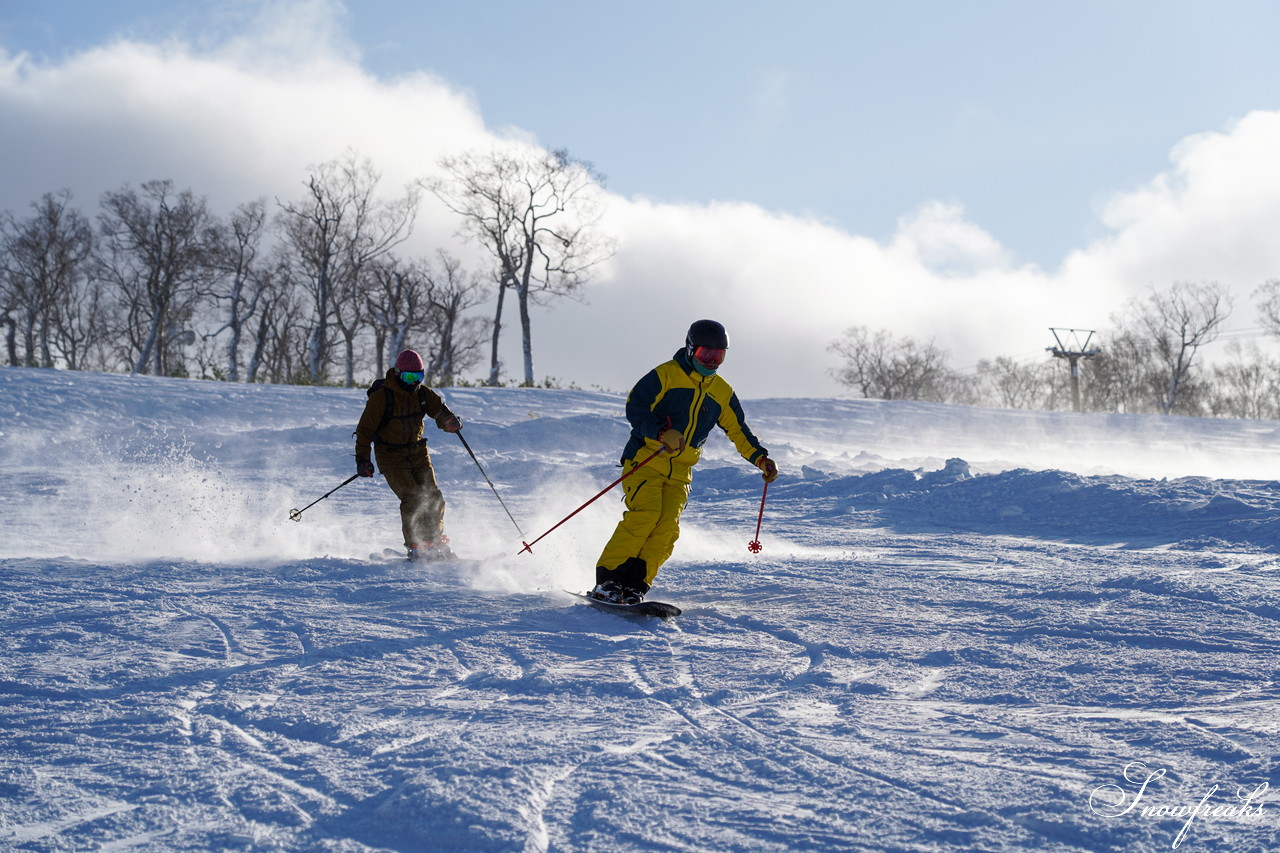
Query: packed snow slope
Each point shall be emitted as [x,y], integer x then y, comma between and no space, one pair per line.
[967,630]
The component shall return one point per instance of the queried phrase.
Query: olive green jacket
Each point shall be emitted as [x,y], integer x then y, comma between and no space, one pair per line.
[393,415]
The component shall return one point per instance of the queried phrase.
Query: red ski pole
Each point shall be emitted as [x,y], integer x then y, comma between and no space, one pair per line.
[528,546]
[754,545]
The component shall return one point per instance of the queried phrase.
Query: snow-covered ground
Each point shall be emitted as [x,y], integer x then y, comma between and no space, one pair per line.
[968,630]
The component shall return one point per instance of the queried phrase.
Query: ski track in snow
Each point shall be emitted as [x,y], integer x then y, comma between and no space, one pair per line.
[926,656]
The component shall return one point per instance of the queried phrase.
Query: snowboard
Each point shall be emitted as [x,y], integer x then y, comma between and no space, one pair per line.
[660,609]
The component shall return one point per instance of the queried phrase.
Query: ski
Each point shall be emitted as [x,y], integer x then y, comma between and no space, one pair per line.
[399,554]
[660,609]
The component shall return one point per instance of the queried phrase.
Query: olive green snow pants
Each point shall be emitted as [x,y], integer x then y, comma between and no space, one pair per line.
[409,474]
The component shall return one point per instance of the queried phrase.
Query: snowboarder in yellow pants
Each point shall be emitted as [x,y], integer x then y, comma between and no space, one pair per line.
[671,409]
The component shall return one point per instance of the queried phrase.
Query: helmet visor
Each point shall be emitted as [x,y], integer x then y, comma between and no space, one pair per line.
[710,357]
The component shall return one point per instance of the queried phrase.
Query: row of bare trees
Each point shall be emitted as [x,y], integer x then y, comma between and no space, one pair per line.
[309,290]
[1151,360]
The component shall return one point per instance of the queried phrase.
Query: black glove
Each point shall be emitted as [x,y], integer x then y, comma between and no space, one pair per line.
[364,468]
[449,422]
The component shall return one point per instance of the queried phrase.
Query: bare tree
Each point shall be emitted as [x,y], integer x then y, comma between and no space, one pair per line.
[538,214]
[334,232]
[398,304]
[879,365]
[45,266]
[278,329]
[1177,322]
[80,319]
[155,254]
[425,301]
[9,305]
[1267,301]
[241,286]
[454,341]
[1123,377]
[1246,386]
[1009,384]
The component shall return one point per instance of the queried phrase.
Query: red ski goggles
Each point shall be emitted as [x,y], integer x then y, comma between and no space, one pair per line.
[709,356]
[412,377]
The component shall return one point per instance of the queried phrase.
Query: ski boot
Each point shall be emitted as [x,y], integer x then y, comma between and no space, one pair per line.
[432,552]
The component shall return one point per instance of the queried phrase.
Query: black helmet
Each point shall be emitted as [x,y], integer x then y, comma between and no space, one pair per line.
[706,333]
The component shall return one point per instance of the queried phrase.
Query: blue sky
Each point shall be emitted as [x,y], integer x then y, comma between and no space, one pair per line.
[1020,129]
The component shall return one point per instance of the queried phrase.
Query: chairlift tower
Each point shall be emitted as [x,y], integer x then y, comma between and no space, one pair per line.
[1069,346]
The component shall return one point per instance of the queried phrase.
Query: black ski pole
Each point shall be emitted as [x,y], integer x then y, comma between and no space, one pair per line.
[487,480]
[296,514]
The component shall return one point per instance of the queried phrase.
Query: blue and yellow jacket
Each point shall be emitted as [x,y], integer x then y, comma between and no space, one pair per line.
[675,396]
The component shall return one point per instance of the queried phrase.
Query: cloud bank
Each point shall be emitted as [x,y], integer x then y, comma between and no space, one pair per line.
[244,114]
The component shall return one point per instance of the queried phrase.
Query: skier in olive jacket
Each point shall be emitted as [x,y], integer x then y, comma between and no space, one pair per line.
[671,409]
[392,423]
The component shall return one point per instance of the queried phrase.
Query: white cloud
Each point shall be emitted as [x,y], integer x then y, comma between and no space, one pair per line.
[1213,216]
[787,286]
[243,120]
[938,237]
[246,115]
[294,37]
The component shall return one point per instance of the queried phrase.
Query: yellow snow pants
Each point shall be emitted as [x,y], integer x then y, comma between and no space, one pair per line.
[654,498]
